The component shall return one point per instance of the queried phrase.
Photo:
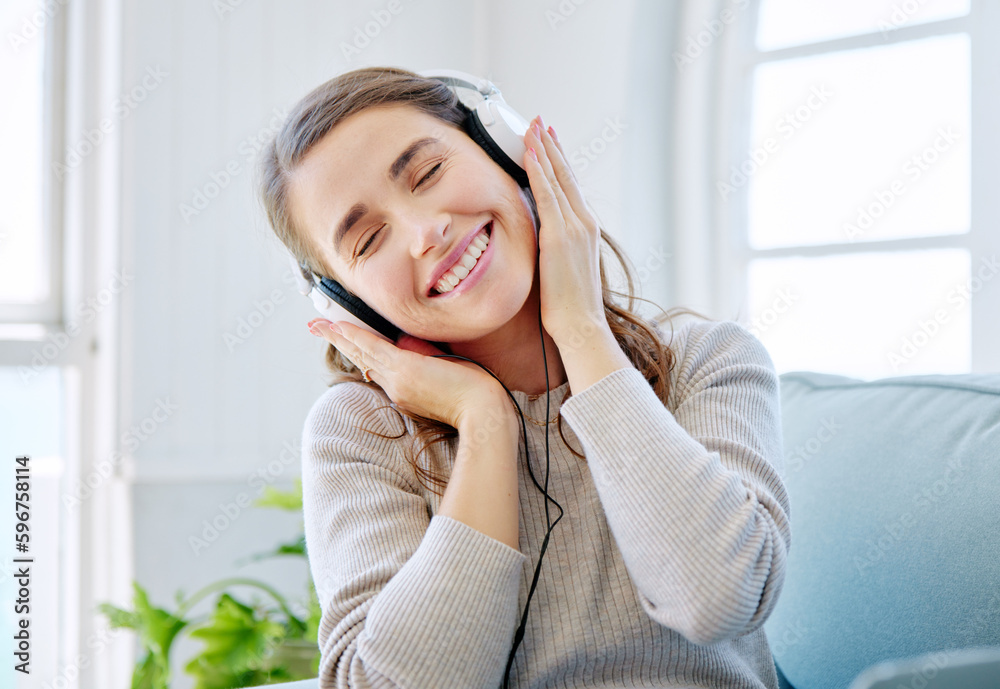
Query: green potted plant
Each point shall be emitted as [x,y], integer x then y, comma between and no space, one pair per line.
[245,645]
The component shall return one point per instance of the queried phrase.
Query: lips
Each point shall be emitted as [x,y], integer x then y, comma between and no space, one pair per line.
[460,262]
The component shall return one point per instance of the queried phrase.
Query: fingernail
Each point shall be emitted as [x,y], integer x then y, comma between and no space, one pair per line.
[315,331]
[541,121]
[538,132]
[552,133]
[335,328]
[531,151]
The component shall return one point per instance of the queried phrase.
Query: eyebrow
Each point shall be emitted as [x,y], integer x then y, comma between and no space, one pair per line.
[358,210]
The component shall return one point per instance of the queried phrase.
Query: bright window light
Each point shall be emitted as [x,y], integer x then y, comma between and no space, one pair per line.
[784,23]
[23,267]
[866,315]
[861,145]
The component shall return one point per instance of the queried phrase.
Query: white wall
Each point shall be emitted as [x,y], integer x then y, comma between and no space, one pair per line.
[222,79]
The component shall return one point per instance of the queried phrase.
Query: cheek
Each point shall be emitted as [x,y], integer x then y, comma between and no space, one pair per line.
[392,283]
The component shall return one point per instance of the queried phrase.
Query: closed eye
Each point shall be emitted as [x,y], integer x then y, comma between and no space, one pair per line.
[433,171]
[367,244]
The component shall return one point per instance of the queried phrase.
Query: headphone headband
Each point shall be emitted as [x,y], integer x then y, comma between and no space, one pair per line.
[455,78]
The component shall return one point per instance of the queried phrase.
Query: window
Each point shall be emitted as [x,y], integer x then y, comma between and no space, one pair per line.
[33,361]
[29,258]
[850,183]
[58,381]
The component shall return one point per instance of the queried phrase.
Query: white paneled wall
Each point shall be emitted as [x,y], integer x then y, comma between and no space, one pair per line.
[201,272]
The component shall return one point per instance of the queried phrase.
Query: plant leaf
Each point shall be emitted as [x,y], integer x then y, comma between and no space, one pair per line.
[157,628]
[286,500]
[234,638]
[295,548]
[119,618]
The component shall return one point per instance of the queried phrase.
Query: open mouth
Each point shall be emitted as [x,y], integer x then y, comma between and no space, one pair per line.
[466,264]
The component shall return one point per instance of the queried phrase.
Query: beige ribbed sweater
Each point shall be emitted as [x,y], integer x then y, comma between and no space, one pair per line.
[669,558]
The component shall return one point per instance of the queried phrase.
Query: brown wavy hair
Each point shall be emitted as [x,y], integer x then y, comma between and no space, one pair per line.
[349,93]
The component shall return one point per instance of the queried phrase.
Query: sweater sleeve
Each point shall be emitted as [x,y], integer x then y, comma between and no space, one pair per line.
[694,498]
[408,599]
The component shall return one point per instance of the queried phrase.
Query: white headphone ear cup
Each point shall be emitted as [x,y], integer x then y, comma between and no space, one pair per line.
[505,127]
[491,123]
[493,132]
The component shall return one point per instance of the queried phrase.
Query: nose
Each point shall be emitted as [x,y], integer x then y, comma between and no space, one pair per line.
[428,230]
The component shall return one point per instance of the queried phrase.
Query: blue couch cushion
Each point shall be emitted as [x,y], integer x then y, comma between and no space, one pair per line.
[894,487]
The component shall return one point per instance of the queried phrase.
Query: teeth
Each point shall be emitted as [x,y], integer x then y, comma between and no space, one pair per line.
[465,264]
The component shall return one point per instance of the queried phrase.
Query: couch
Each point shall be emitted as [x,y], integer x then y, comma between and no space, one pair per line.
[894,487]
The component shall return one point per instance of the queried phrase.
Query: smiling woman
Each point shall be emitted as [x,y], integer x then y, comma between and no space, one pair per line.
[672,554]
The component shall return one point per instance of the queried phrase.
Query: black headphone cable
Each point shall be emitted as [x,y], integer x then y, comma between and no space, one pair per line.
[519,633]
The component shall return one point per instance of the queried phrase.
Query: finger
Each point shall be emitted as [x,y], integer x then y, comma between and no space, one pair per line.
[558,143]
[567,182]
[362,358]
[549,211]
[375,350]
[326,330]
[561,158]
[537,139]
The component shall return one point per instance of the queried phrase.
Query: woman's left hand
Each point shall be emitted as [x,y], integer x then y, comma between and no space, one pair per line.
[568,241]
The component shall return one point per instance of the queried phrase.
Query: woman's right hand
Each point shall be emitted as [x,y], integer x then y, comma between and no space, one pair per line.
[446,390]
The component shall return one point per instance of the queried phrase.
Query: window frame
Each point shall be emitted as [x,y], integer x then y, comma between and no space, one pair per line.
[82,217]
[713,125]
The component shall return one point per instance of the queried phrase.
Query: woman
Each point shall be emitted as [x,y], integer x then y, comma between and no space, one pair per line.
[422,523]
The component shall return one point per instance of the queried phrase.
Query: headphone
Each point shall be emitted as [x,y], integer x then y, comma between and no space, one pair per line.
[499,130]
[492,124]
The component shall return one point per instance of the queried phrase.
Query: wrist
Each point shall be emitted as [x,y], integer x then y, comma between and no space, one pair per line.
[580,332]
[492,420]
[591,356]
